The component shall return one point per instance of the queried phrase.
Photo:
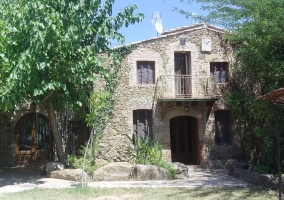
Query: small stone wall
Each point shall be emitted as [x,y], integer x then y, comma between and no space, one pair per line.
[217,164]
[253,177]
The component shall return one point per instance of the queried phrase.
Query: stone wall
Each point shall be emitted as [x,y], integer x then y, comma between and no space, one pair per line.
[6,140]
[132,96]
[266,180]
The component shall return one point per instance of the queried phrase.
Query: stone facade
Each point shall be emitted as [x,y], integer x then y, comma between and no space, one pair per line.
[134,96]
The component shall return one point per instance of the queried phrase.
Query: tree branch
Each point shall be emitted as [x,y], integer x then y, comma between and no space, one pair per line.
[48,96]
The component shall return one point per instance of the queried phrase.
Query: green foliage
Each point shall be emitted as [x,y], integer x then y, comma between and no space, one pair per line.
[145,151]
[75,161]
[262,169]
[105,112]
[257,34]
[51,48]
[102,101]
[98,100]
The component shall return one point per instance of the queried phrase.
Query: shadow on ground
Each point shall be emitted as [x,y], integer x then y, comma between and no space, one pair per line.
[20,175]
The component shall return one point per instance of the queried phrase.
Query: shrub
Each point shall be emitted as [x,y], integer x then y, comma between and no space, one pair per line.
[76,161]
[147,152]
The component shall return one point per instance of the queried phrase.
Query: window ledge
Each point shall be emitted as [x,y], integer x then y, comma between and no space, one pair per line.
[145,85]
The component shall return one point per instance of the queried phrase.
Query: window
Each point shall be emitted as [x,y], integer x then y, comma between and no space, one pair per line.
[146,72]
[223,127]
[220,70]
[74,136]
[142,123]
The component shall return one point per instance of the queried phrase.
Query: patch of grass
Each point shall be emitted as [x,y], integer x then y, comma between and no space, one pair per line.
[256,193]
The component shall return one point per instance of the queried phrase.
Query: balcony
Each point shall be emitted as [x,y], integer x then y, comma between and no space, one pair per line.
[186,87]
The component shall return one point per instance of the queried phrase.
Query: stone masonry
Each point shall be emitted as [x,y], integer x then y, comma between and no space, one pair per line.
[132,96]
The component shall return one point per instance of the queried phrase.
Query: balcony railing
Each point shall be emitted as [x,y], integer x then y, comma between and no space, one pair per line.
[186,87]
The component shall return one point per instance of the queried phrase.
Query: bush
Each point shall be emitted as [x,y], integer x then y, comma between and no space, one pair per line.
[76,161]
[145,151]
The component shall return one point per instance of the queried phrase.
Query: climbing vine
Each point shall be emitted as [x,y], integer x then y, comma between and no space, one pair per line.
[101,106]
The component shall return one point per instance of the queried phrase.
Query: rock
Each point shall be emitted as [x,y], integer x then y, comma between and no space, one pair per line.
[149,172]
[101,162]
[266,179]
[69,174]
[241,165]
[116,171]
[52,166]
[248,176]
[231,169]
[238,173]
[255,178]
[181,170]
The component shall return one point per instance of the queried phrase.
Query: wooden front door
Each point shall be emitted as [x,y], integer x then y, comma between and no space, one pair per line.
[182,72]
[33,140]
[184,140]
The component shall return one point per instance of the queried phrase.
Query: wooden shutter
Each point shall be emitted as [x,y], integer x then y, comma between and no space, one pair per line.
[139,72]
[146,72]
[142,123]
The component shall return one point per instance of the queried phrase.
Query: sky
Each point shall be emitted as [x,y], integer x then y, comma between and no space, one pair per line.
[170,19]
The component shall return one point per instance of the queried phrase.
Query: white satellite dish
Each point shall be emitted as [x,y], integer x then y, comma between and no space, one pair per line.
[159,27]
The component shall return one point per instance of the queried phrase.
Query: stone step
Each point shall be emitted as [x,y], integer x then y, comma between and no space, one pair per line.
[194,167]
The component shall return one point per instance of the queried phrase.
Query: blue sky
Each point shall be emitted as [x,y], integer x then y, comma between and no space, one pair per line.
[170,19]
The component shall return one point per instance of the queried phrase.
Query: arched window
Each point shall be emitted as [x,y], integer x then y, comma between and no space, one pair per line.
[142,123]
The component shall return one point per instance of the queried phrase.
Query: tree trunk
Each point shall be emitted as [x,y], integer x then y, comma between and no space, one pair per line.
[55,133]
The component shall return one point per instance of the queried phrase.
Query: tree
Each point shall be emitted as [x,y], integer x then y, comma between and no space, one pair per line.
[51,50]
[255,28]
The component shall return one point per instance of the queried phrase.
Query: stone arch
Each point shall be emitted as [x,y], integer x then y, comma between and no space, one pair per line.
[32,139]
[184,136]
[176,113]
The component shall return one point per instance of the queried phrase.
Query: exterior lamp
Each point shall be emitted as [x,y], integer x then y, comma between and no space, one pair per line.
[186,108]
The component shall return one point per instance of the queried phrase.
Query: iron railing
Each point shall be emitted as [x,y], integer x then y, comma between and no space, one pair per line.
[186,86]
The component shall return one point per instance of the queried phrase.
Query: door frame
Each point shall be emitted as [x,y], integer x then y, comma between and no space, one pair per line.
[33,154]
[195,160]
[183,76]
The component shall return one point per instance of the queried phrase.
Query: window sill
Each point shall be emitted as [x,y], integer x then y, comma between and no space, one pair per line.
[145,85]
[219,83]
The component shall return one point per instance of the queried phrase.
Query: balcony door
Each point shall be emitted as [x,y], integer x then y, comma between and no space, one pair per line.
[182,74]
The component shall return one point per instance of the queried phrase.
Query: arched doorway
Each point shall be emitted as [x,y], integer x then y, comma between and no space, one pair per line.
[184,140]
[33,139]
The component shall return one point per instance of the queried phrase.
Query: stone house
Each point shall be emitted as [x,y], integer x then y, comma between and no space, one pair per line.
[171,89]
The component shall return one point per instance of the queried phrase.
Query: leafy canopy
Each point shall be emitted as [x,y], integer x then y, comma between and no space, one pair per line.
[51,48]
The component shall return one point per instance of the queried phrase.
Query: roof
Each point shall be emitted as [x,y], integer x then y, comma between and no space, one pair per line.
[180,30]
[276,96]
[193,27]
